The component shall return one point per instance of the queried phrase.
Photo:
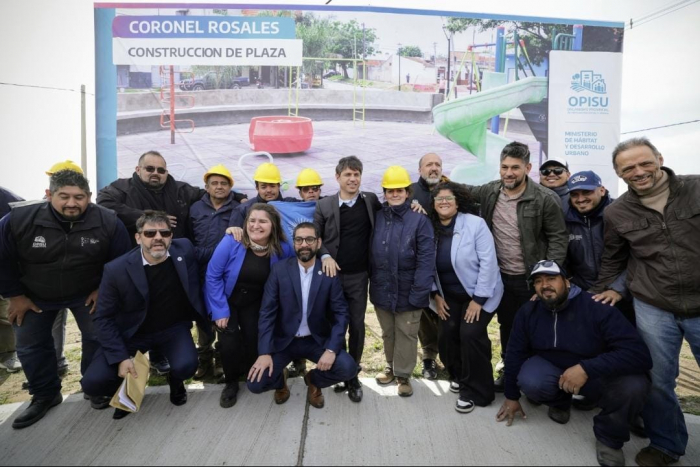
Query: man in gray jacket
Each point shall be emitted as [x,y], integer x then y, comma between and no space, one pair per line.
[527,223]
[652,232]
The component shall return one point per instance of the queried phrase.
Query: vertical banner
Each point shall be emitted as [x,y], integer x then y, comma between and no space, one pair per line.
[585,90]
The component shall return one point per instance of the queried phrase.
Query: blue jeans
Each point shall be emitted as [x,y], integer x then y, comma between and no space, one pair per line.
[621,398]
[36,351]
[344,368]
[174,343]
[663,333]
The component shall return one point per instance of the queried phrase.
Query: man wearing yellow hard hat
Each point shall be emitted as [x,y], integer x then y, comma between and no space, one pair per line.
[268,181]
[309,184]
[209,218]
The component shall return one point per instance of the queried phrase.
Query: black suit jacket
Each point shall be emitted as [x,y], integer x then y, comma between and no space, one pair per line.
[123,297]
[327,219]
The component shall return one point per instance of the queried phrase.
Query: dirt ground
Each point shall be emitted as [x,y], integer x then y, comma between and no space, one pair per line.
[372,362]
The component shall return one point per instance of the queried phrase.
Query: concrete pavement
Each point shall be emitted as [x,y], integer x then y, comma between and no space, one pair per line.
[382,430]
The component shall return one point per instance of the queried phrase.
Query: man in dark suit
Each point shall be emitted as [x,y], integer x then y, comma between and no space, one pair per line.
[312,326]
[148,300]
[351,212]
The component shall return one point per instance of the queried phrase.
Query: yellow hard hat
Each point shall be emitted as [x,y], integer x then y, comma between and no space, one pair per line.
[219,170]
[308,177]
[396,177]
[65,165]
[267,173]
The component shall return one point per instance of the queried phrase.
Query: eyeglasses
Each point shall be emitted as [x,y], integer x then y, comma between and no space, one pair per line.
[556,171]
[314,189]
[301,240]
[150,169]
[440,199]
[165,233]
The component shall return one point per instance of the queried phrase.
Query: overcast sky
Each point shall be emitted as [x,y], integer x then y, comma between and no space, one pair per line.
[50,43]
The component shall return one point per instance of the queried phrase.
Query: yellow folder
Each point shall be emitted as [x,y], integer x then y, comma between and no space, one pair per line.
[130,394]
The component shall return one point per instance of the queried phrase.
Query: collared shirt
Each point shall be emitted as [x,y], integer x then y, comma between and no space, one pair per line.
[145,261]
[506,234]
[306,278]
[350,202]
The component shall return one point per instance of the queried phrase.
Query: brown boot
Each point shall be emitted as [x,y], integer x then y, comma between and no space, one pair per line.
[205,365]
[651,456]
[405,388]
[314,394]
[282,395]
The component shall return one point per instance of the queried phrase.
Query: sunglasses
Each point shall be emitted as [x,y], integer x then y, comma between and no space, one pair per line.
[307,189]
[557,171]
[150,169]
[165,233]
[301,240]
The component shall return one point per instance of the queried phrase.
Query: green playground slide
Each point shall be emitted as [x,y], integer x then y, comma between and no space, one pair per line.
[465,121]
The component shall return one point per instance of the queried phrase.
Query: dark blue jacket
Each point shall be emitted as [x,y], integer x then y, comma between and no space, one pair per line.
[222,274]
[586,245]
[402,259]
[208,225]
[281,310]
[7,197]
[123,297]
[239,214]
[583,332]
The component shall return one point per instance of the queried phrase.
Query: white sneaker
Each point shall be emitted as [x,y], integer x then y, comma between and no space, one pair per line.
[11,364]
[500,366]
[464,406]
[454,387]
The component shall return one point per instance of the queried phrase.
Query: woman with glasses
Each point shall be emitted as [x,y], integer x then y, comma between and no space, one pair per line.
[234,285]
[469,289]
[402,264]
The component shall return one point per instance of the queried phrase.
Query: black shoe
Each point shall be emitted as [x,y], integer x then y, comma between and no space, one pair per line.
[499,384]
[178,393]
[99,402]
[229,396]
[340,387]
[560,416]
[63,370]
[36,411]
[119,414]
[430,369]
[637,427]
[25,386]
[355,390]
[583,404]
[161,367]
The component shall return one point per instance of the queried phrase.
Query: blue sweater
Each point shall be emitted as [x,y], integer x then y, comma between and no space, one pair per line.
[584,332]
[222,274]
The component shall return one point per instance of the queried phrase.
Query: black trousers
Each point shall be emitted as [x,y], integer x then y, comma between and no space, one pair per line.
[355,291]
[466,350]
[239,341]
[516,292]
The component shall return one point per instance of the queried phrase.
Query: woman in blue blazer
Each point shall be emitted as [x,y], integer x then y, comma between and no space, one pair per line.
[233,291]
[468,290]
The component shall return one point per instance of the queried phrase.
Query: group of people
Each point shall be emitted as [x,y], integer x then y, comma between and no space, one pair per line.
[593,295]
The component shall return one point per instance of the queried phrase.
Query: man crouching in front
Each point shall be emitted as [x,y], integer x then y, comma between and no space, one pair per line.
[148,300]
[303,315]
[566,343]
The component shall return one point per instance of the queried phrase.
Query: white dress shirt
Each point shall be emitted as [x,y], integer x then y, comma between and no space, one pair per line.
[349,202]
[306,278]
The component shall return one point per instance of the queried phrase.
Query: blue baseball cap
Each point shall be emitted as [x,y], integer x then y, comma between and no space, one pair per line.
[586,180]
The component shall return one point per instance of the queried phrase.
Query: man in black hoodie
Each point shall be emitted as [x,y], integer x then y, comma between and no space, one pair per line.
[566,343]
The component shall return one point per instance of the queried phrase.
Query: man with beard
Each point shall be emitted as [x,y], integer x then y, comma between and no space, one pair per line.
[566,343]
[527,224]
[51,257]
[151,187]
[651,232]
[148,300]
[303,315]
[430,169]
